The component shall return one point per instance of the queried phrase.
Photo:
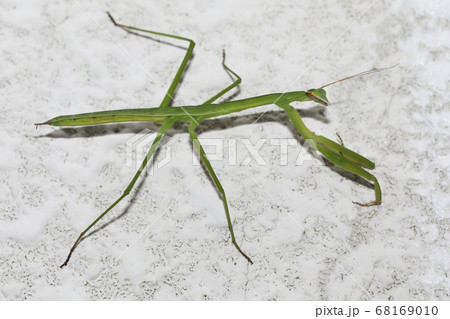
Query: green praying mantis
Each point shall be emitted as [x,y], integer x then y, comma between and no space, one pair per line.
[166,116]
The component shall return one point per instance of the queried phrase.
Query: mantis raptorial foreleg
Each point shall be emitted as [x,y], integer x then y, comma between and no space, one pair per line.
[335,153]
[352,168]
[208,166]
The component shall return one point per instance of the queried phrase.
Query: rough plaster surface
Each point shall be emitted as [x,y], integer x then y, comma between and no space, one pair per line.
[297,222]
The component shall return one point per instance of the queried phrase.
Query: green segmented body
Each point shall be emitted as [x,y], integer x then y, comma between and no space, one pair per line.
[180,113]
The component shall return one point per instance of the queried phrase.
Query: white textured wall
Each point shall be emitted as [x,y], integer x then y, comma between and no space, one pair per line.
[307,239]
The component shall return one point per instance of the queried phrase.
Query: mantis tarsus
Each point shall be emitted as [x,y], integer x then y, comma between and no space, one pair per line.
[193,115]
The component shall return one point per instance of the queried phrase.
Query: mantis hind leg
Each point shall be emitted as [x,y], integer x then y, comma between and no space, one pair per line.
[176,80]
[170,92]
[205,161]
[127,190]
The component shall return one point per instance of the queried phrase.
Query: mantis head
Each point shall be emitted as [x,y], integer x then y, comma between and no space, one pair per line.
[318,96]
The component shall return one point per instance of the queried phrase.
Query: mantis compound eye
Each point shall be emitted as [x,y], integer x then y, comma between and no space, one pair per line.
[319,96]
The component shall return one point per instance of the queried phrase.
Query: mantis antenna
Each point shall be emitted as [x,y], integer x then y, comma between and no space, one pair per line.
[359,75]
